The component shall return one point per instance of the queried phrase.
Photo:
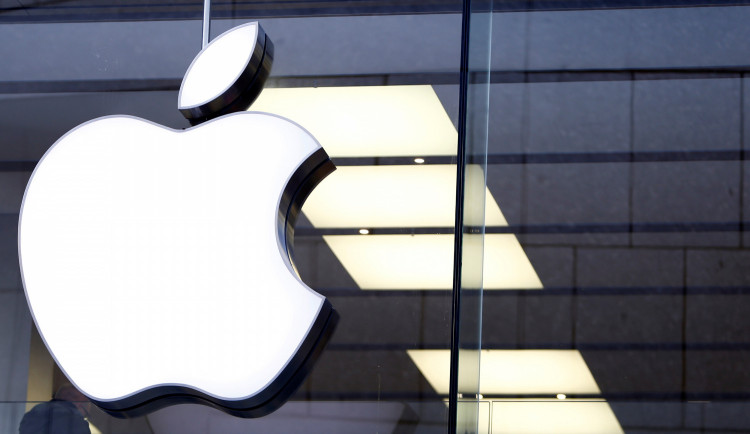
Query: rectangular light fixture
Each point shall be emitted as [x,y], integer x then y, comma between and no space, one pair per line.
[367,121]
[396,196]
[514,372]
[528,372]
[393,262]
[568,416]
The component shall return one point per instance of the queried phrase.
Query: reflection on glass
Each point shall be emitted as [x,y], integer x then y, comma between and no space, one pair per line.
[66,413]
[471,244]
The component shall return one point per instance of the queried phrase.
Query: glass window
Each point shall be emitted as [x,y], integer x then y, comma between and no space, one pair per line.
[377,86]
[604,256]
[616,154]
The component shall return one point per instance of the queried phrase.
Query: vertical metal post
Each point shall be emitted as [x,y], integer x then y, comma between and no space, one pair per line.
[459,223]
[206,22]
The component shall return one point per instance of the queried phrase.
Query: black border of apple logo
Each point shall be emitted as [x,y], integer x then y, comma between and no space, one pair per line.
[238,96]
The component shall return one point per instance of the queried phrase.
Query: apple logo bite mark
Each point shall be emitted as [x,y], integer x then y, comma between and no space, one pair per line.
[157,262]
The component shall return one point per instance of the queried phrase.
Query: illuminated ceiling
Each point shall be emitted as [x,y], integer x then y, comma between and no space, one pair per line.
[523,373]
[386,121]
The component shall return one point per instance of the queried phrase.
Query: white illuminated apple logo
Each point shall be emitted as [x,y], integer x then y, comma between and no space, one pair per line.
[156,261]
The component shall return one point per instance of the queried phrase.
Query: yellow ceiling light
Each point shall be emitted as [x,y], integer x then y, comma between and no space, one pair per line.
[396,196]
[393,262]
[367,121]
[514,372]
[542,416]
[528,372]
[571,416]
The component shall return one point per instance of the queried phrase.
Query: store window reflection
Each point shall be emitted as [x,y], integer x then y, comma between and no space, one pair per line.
[65,414]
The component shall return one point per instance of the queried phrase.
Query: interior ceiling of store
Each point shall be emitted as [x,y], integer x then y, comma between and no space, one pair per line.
[640,274]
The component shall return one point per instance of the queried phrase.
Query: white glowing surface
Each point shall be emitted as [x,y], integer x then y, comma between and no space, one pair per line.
[483,416]
[514,371]
[150,255]
[93,428]
[426,261]
[564,417]
[395,196]
[540,416]
[218,66]
[367,120]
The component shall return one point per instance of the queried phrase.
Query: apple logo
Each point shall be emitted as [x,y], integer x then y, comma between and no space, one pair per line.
[157,262]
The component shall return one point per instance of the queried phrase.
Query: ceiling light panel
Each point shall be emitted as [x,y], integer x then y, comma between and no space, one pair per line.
[367,121]
[554,416]
[396,196]
[393,262]
[514,372]
[371,121]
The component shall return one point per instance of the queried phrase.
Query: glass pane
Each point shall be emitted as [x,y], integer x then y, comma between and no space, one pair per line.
[616,153]
[376,85]
[473,196]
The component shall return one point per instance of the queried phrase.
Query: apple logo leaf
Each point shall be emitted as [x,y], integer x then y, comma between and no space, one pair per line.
[228,75]
[157,263]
